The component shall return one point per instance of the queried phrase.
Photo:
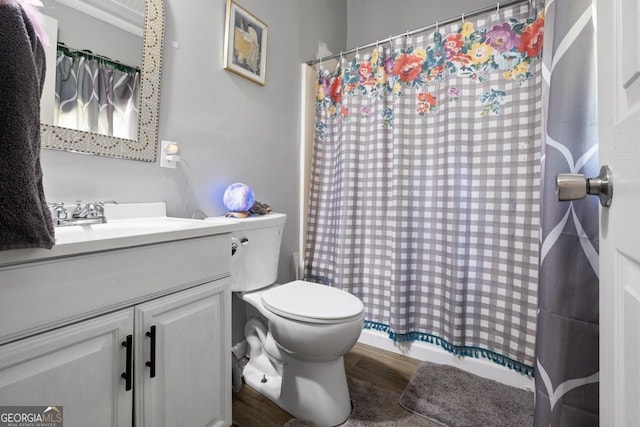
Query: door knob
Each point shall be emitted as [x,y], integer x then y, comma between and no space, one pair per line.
[571,186]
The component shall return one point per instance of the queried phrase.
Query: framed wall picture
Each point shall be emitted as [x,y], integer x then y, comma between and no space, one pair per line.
[245,44]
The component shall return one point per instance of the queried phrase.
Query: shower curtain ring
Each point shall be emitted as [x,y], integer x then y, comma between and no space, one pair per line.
[463,18]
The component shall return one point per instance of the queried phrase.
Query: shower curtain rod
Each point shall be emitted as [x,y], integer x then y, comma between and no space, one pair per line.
[419,30]
[75,53]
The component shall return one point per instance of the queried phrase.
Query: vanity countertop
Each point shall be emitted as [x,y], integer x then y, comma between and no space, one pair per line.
[129,225]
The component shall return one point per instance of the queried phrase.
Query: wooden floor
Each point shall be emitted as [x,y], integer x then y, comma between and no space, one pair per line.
[379,367]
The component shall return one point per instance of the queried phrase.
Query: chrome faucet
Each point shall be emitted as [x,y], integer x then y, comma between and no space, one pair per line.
[58,211]
[87,211]
[90,213]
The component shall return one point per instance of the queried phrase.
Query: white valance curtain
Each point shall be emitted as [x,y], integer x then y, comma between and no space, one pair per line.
[95,97]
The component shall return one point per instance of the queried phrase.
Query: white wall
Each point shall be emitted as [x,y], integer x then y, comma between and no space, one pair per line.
[229,129]
[371,20]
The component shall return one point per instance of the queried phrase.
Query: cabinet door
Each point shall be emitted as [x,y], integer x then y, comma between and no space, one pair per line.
[78,367]
[192,382]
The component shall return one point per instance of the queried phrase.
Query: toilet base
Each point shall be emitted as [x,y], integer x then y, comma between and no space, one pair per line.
[312,391]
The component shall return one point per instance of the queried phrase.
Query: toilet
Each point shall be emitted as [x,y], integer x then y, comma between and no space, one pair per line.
[298,340]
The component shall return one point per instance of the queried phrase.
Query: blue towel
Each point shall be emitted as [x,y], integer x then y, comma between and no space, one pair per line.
[25,219]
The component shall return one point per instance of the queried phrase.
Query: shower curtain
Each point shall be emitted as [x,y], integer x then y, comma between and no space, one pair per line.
[567,342]
[95,97]
[424,198]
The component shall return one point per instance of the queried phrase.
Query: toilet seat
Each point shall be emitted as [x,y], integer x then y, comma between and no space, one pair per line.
[312,303]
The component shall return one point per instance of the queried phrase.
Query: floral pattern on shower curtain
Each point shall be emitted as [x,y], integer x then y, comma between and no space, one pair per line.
[425,182]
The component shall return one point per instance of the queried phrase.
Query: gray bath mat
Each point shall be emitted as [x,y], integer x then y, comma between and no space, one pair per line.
[374,406]
[457,398]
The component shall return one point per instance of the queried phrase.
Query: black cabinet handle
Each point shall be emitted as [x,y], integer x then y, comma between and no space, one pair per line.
[152,363]
[128,344]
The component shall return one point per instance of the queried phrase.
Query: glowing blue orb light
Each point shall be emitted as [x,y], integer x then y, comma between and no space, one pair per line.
[238,197]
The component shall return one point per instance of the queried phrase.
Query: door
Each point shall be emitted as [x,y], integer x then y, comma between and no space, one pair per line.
[78,368]
[619,137]
[183,358]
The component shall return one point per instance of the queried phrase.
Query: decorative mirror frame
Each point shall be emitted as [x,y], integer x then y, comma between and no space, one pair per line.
[145,148]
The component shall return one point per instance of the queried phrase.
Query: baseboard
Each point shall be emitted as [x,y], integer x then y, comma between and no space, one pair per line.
[432,353]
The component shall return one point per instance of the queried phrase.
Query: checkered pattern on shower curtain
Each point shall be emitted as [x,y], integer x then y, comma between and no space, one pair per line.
[433,221]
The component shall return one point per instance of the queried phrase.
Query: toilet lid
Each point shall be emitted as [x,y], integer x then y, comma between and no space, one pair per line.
[311,302]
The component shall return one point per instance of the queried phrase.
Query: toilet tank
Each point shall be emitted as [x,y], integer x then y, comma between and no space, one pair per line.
[257,240]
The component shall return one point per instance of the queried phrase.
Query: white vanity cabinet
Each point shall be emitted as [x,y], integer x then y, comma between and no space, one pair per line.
[77,367]
[66,319]
[183,359]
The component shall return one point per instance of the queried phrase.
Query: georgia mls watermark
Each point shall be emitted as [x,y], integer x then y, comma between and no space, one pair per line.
[31,416]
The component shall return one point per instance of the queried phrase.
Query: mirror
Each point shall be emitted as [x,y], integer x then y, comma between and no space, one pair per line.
[145,146]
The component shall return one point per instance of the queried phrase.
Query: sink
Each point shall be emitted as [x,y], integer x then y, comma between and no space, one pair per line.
[122,228]
[127,225]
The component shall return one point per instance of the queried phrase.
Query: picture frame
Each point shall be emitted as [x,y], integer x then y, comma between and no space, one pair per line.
[245,44]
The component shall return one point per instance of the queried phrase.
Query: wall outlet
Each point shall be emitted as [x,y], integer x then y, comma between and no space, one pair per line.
[169,154]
